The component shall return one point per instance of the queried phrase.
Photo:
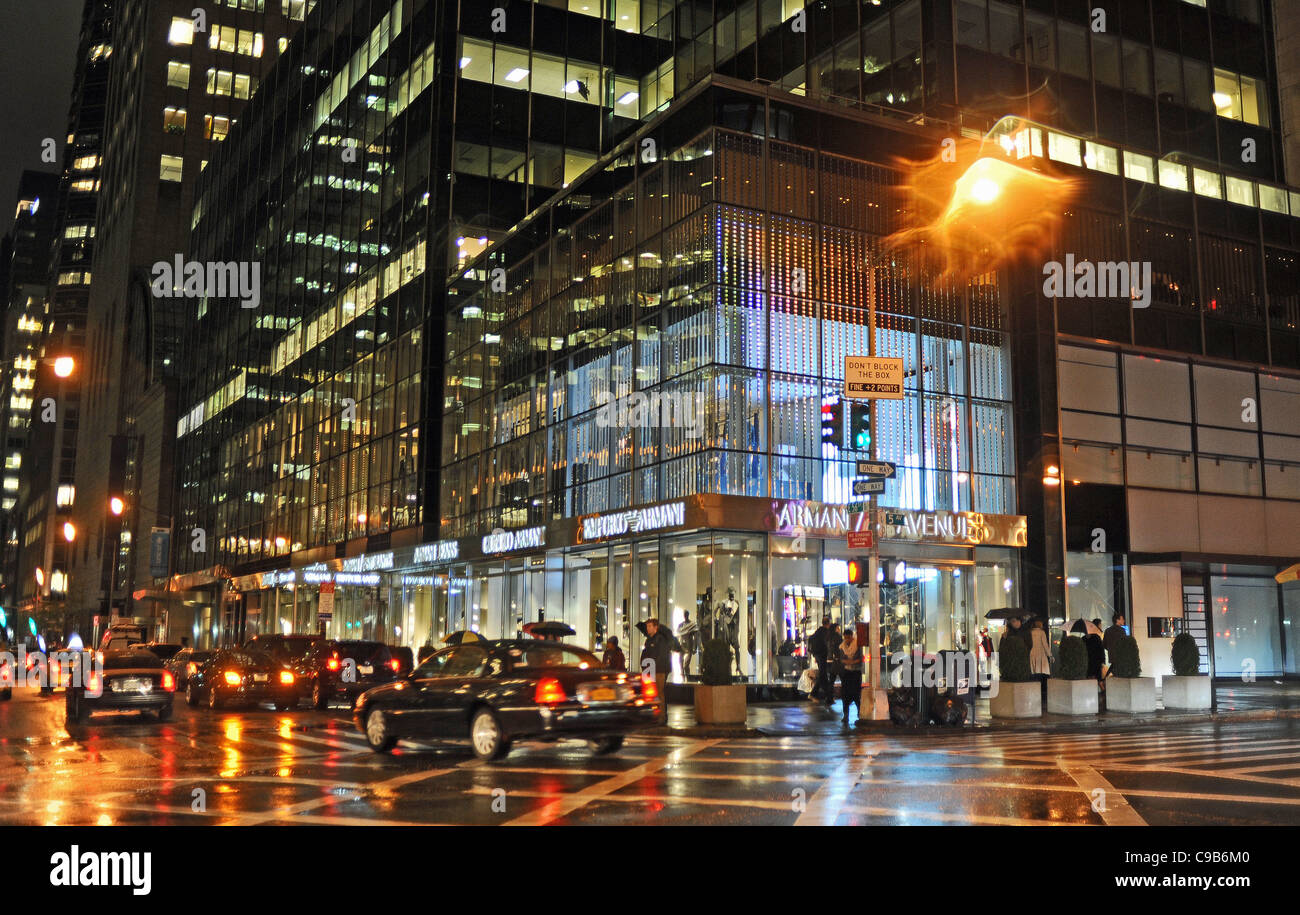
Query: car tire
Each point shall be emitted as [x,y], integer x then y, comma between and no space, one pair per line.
[165,713]
[320,700]
[486,737]
[378,735]
[603,746]
[191,695]
[214,701]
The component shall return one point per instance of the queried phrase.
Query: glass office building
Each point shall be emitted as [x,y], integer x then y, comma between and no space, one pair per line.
[609,259]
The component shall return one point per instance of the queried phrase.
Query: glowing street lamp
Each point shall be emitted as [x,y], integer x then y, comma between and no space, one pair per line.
[116,506]
[64,366]
[40,578]
[69,531]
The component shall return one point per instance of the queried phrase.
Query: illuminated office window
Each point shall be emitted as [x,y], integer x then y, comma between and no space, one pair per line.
[215,127]
[174,120]
[181,31]
[171,168]
[178,74]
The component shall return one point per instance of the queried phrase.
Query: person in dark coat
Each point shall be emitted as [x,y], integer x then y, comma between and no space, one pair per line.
[820,646]
[613,658]
[849,656]
[658,648]
[1096,655]
[1112,635]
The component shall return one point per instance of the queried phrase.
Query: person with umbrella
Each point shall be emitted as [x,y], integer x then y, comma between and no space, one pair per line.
[657,649]
[548,630]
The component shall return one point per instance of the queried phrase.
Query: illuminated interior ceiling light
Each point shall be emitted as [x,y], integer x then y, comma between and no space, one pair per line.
[464,62]
[516,75]
[628,98]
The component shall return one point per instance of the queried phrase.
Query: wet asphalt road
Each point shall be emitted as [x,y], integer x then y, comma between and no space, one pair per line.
[265,767]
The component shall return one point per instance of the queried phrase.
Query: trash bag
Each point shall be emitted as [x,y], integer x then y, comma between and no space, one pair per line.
[948,711]
[902,707]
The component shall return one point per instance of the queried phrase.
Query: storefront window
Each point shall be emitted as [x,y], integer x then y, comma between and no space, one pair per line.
[1096,586]
[1291,624]
[1245,620]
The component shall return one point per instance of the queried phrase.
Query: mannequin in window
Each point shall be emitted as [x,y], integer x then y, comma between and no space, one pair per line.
[728,617]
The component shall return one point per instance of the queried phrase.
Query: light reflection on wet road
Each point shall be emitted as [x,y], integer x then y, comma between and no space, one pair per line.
[266,767]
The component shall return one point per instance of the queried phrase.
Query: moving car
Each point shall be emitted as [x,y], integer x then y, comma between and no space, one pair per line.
[495,693]
[132,680]
[184,663]
[164,650]
[121,635]
[243,677]
[302,653]
[349,667]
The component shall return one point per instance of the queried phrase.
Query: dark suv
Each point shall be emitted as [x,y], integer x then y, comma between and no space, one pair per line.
[351,667]
[302,654]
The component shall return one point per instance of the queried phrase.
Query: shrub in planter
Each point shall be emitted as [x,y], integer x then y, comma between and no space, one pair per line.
[1186,656]
[1125,660]
[1013,660]
[717,699]
[1072,691]
[1073,663]
[715,663]
[1016,694]
[1127,690]
[1186,689]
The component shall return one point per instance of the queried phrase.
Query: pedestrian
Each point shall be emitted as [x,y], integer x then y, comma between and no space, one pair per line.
[1112,635]
[833,661]
[819,645]
[613,658]
[1013,630]
[658,649]
[849,655]
[1040,656]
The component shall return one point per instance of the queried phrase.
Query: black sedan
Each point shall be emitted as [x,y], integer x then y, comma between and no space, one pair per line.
[242,677]
[515,689]
[349,668]
[301,653]
[128,681]
[185,662]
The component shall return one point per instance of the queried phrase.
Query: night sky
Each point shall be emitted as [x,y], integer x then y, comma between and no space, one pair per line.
[36,68]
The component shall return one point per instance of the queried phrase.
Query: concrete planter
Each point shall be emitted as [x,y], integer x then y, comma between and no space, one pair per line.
[1072,697]
[1016,700]
[1131,694]
[720,704]
[1186,692]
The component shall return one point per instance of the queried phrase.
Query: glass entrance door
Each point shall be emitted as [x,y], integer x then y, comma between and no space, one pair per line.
[928,611]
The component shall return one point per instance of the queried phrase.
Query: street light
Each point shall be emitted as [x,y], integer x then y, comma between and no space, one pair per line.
[64,366]
[116,506]
[69,531]
[40,578]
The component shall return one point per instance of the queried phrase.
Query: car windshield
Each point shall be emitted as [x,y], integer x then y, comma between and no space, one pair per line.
[250,657]
[546,655]
[364,652]
[128,660]
[289,647]
[164,651]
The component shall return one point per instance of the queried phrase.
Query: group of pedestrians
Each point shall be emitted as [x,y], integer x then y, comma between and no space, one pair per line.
[1034,634]
[838,655]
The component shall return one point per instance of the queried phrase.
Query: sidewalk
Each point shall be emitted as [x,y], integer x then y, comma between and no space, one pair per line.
[1236,702]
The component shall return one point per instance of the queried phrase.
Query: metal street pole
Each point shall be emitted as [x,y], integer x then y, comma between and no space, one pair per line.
[875,682]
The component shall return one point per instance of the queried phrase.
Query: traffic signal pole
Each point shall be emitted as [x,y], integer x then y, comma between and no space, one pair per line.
[875,693]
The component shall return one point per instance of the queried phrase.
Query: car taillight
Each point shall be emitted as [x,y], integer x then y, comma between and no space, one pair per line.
[286,676]
[548,690]
[395,665]
[191,668]
[92,682]
[233,678]
[649,687]
[332,663]
[168,681]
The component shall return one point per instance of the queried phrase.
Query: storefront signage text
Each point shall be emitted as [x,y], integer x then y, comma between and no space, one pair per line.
[442,551]
[653,518]
[528,538]
[812,517]
[368,563]
[956,527]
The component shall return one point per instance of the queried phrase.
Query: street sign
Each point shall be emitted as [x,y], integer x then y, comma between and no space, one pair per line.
[865,487]
[876,469]
[325,608]
[857,508]
[895,518]
[873,378]
[861,540]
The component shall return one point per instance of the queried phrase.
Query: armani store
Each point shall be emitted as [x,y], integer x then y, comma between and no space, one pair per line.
[757,573]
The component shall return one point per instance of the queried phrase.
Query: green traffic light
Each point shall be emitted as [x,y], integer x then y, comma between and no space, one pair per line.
[31,624]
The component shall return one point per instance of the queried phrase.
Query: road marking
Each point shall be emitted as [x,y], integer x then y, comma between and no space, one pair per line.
[1115,809]
[563,806]
[291,810]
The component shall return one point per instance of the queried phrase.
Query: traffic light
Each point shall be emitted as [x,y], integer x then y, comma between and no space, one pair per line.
[833,423]
[860,427]
[858,571]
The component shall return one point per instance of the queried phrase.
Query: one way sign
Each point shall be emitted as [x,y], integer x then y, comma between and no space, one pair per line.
[876,469]
[866,487]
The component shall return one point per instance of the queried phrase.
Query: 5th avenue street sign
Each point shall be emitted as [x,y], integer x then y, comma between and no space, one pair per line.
[865,487]
[876,469]
[873,378]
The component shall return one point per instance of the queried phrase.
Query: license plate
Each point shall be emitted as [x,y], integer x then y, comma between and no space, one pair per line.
[365,668]
[131,685]
[603,694]
[261,678]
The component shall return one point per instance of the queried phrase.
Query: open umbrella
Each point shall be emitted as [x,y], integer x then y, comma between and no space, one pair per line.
[548,628]
[1290,573]
[462,636]
[1081,627]
[1005,613]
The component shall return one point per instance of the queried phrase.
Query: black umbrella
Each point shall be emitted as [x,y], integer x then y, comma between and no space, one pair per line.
[1005,613]
[549,628]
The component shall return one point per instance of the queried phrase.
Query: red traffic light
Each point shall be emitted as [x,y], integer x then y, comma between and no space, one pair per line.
[858,571]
